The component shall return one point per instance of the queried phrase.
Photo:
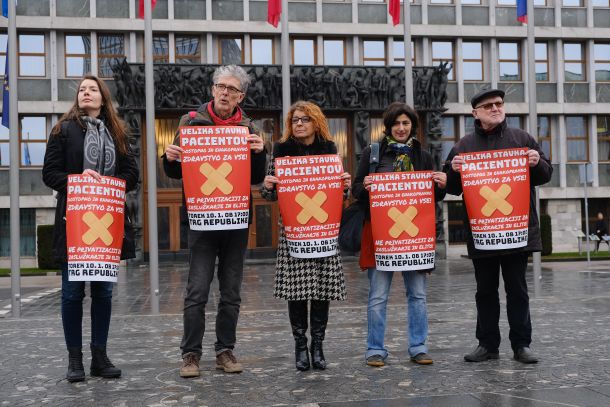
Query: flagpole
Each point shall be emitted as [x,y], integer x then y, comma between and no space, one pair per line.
[406,5]
[533,115]
[285,48]
[11,59]
[151,160]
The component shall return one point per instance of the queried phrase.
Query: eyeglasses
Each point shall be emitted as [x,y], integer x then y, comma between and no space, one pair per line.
[304,120]
[489,106]
[221,87]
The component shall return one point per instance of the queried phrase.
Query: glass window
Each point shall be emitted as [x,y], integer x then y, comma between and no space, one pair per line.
[31,55]
[27,226]
[373,53]
[441,1]
[111,50]
[472,55]
[471,1]
[3,39]
[574,63]
[509,57]
[262,51]
[334,52]
[231,51]
[160,49]
[399,53]
[514,2]
[188,50]
[577,137]
[78,55]
[4,146]
[304,51]
[514,121]
[33,140]
[442,51]
[544,135]
[572,3]
[601,53]
[601,3]
[468,124]
[449,136]
[542,61]
[603,138]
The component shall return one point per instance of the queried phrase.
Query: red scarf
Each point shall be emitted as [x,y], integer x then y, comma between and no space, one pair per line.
[231,121]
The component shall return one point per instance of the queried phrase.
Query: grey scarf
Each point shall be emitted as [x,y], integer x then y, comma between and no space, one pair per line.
[99,152]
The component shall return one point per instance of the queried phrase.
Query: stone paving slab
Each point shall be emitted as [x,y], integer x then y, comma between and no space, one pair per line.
[570,313]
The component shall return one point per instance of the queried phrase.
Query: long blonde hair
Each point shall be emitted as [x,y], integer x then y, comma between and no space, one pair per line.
[317,118]
[115,125]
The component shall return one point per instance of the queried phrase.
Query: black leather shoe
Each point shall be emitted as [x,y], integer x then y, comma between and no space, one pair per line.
[481,354]
[76,371]
[525,355]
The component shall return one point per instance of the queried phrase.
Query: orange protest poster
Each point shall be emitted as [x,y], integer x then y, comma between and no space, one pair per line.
[216,176]
[310,194]
[496,187]
[403,220]
[95,214]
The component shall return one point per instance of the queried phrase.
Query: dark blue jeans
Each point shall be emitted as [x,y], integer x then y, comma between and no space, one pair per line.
[72,294]
[230,247]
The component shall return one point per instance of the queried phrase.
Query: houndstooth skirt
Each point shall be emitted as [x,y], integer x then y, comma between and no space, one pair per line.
[308,279]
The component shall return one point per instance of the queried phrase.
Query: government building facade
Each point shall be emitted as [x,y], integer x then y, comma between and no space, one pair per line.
[346,56]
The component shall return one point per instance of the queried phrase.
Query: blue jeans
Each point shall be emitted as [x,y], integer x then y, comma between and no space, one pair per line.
[72,294]
[417,327]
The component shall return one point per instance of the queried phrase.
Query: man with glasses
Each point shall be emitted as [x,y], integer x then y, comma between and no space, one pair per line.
[230,84]
[492,133]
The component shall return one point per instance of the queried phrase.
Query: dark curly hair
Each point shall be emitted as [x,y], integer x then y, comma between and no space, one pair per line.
[392,112]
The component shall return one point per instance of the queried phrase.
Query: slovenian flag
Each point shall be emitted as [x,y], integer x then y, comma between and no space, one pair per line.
[522,11]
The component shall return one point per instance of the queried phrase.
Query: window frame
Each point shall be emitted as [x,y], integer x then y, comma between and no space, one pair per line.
[543,61]
[401,61]
[582,62]
[315,48]
[576,138]
[73,55]
[436,61]
[519,62]
[101,56]
[472,60]
[601,61]
[160,58]
[222,38]
[343,41]
[548,138]
[605,139]
[178,58]
[31,54]
[264,37]
[23,140]
[366,59]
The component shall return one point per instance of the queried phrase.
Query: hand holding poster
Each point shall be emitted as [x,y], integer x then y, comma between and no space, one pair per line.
[216,176]
[94,227]
[403,220]
[496,187]
[310,193]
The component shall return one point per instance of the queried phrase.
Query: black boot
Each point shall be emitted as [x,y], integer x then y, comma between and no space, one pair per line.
[297,312]
[101,365]
[76,371]
[318,319]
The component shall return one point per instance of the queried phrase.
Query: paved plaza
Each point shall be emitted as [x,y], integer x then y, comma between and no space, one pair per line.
[570,312]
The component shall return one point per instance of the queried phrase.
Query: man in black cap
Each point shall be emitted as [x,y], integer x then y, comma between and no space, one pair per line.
[492,133]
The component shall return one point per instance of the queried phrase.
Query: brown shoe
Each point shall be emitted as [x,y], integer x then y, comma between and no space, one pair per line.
[190,365]
[422,359]
[226,361]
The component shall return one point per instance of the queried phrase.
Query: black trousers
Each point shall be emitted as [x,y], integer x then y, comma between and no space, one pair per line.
[487,274]
[230,248]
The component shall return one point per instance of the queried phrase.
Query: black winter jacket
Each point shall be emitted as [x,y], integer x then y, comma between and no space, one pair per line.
[422,161]
[64,156]
[502,137]
[173,169]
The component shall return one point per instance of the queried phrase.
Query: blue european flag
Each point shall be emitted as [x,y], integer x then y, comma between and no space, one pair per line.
[5,94]
[5,8]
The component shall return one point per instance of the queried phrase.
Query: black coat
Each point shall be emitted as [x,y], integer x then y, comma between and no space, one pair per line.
[292,148]
[502,137]
[421,160]
[63,157]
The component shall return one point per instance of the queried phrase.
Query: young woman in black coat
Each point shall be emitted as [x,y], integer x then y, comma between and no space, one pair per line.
[89,139]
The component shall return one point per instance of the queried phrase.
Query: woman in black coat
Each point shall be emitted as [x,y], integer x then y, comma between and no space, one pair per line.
[297,280]
[89,139]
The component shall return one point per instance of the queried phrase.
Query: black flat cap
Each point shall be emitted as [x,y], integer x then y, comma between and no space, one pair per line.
[484,94]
